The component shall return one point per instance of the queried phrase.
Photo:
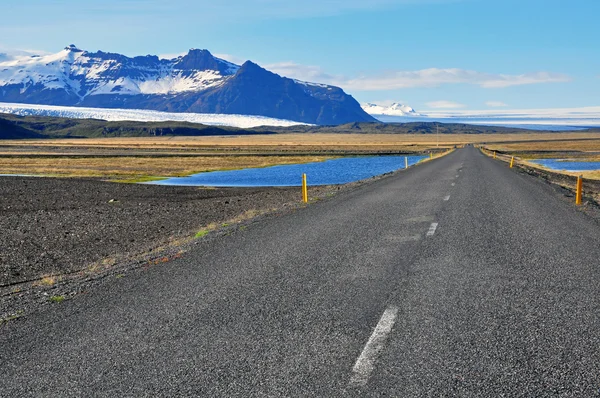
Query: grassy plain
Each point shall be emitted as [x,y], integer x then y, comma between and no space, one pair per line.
[583,150]
[138,169]
[548,149]
[291,142]
[138,159]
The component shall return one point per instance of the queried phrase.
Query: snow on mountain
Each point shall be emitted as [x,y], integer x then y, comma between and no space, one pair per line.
[84,73]
[241,121]
[395,109]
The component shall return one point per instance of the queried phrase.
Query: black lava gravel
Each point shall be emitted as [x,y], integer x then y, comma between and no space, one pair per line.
[57,226]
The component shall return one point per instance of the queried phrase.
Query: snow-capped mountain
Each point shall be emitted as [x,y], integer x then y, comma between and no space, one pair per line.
[395,109]
[197,82]
[81,74]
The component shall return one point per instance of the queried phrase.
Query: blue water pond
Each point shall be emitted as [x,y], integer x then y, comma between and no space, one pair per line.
[335,171]
[568,165]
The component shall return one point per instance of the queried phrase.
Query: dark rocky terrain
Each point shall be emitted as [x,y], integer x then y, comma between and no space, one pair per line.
[56,226]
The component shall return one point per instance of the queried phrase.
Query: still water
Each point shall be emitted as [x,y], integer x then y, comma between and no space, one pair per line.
[568,165]
[335,171]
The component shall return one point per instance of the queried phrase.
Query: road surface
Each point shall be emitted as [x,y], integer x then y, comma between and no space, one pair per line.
[459,277]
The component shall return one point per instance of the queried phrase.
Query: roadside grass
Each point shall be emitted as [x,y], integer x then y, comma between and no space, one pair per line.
[245,216]
[137,180]
[12,317]
[57,299]
[201,233]
[46,281]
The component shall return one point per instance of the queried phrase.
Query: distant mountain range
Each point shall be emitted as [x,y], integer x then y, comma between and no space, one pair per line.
[395,109]
[197,82]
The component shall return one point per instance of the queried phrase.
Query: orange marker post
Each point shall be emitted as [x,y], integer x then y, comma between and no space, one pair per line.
[579,191]
[304,189]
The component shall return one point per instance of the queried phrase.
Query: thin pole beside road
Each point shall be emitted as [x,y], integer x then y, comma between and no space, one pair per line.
[579,190]
[304,189]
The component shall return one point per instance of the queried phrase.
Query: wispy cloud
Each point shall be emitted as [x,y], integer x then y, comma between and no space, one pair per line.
[304,72]
[171,55]
[7,54]
[432,77]
[231,58]
[496,104]
[445,105]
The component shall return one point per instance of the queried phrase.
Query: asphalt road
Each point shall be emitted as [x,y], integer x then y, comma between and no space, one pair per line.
[459,277]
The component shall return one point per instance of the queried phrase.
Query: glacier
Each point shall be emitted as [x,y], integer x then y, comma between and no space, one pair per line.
[141,115]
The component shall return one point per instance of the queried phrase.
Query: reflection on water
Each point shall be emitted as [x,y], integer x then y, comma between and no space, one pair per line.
[335,171]
[568,165]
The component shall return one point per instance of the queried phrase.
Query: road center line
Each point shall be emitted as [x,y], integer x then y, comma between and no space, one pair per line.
[366,361]
[446,198]
[432,229]
[453,184]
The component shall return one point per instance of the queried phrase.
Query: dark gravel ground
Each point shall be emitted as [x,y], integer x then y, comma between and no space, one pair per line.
[58,226]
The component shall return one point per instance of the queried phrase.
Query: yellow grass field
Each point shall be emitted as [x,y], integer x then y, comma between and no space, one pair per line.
[298,141]
[139,168]
[138,159]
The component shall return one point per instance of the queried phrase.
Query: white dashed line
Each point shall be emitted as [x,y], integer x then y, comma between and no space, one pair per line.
[446,198]
[404,239]
[432,229]
[366,361]
[457,176]
[453,184]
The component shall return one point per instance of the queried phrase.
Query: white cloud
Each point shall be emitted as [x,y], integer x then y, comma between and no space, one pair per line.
[496,104]
[171,55]
[444,105]
[303,72]
[231,58]
[432,77]
[435,77]
[7,54]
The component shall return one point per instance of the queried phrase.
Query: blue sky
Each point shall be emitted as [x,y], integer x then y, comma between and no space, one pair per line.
[429,54]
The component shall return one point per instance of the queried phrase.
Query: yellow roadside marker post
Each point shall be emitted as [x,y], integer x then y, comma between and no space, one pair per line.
[512,161]
[430,155]
[494,154]
[579,190]
[304,189]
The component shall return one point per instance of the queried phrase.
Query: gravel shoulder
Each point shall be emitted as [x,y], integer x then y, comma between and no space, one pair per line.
[58,226]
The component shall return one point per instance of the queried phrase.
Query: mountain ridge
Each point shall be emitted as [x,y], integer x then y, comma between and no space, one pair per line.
[197,82]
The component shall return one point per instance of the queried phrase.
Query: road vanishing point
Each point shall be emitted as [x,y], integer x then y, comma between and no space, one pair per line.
[459,277]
